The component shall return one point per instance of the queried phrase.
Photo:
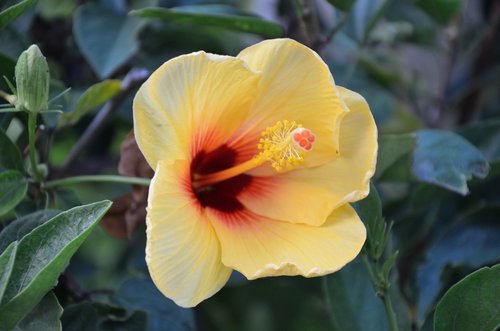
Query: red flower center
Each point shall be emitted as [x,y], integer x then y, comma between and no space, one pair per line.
[221,195]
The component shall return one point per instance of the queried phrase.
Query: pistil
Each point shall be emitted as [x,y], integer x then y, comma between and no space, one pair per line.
[283,145]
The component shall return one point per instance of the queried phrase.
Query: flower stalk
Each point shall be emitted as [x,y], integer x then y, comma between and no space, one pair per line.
[32,149]
[373,257]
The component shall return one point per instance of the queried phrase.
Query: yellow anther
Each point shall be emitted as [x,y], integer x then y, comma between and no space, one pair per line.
[284,144]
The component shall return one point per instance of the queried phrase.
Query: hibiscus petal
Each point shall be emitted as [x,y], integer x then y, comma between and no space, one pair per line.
[182,251]
[260,247]
[296,85]
[193,102]
[310,195]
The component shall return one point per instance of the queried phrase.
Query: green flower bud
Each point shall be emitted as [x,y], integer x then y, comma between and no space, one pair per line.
[32,80]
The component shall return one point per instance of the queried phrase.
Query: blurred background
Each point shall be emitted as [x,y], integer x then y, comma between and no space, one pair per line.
[420,64]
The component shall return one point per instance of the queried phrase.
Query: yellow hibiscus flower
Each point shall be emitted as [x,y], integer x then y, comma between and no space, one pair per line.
[256,159]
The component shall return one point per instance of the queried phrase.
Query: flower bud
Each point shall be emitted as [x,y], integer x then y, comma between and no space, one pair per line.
[32,80]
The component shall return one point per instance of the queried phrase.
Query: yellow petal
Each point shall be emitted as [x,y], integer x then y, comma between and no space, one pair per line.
[310,195]
[182,251]
[260,247]
[296,85]
[191,103]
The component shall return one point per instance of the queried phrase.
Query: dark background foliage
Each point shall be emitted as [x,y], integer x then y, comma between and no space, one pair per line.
[430,71]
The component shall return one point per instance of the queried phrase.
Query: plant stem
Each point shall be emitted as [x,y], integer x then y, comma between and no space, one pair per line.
[381,288]
[97,178]
[338,26]
[31,144]
[133,79]
[389,310]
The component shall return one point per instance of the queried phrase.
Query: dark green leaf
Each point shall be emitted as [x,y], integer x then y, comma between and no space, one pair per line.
[393,148]
[472,304]
[141,294]
[7,66]
[10,157]
[66,199]
[52,9]
[106,52]
[485,136]
[471,243]
[364,15]
[13,187]
[93,97]
[88,316]
[344,5]
[20,227]
[370,207]
[45,316]
[388,264]
[201,15]
[370,211]
[42,255]
[6,263]
[137,321]
[355,307]
[441,10]
[445,159]
[438,157]
[11,13]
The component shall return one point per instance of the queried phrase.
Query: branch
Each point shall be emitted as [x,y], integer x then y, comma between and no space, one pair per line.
[133,79]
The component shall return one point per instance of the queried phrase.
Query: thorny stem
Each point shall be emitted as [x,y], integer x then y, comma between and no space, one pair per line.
[31,143]
[97,178]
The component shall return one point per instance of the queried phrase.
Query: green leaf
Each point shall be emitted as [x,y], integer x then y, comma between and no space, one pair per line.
[484,135]
[10,157]
[364,16]
[472,304]
[11,13]
[137,321]
[53,9]
[203,15]
[93,97]
[343,5]
[141,294]
[44,317]
[42,255]
[6,263]
[370,211]
[13,188]
[471,243]
[392,149]
[354,305]
[20,227]
[87,316]
[445,159]
[441,10]
[106,52]
[437,157]
[7,66]
[369,208]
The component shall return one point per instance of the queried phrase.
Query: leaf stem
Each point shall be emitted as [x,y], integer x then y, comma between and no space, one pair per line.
[31,143]
[97,178]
